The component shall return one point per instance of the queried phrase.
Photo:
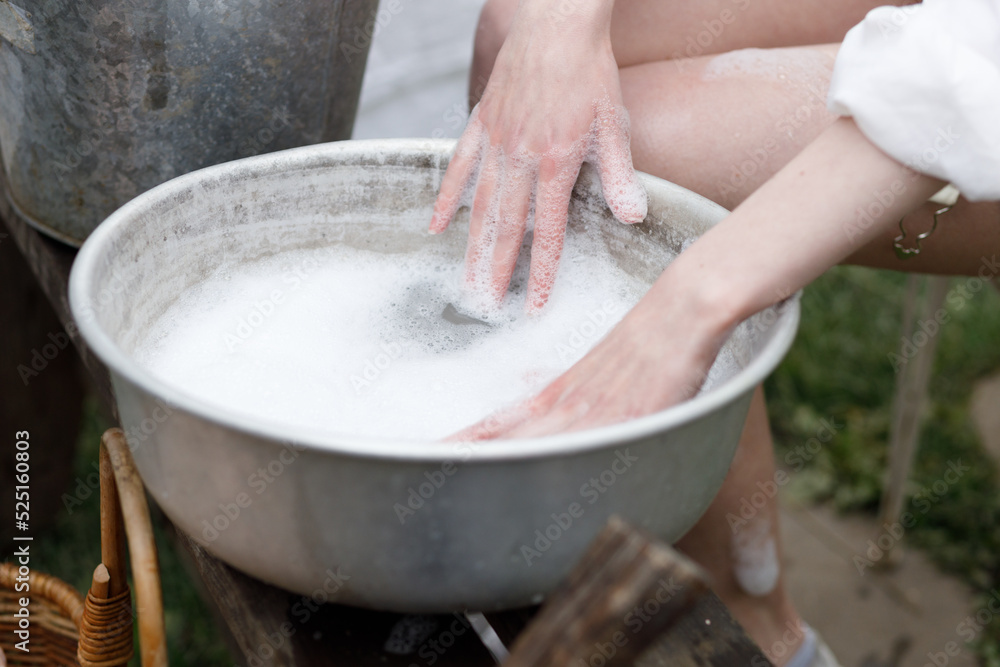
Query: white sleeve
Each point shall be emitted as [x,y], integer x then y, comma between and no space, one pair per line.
[923,84]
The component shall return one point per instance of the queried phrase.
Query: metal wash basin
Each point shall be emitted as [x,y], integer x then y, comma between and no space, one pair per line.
[492,525]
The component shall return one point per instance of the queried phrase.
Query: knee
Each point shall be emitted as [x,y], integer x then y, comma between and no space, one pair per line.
[494,24]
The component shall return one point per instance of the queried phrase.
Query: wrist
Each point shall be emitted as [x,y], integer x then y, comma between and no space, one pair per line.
[708,306]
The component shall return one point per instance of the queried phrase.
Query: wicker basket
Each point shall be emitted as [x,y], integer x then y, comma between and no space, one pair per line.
[68,629]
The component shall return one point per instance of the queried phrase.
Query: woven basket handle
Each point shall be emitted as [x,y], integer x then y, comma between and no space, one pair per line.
[124,498]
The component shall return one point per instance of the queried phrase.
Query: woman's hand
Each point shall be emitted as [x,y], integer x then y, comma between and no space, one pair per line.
[552,102]
[658,355]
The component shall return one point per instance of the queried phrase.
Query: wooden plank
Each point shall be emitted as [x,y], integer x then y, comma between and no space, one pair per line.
[250,610]
[634,601]
[624,592]
[337,635]
[707,636]
[270,627]
[50,262]
[40,388]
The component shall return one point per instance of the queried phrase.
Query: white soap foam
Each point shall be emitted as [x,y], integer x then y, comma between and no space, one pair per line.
[756,565]
[354,342]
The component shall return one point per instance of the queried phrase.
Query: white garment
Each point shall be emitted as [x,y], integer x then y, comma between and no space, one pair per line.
[923,84]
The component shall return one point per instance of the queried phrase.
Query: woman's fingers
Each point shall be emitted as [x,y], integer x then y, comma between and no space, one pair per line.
[574,401]
[557,420]
[495,425]
[502,423]
[502,201]
[555,187]
[483,218]
[461,169]
[515,203]
[622,190]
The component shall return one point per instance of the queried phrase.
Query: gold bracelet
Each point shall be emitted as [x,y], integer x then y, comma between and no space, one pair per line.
[947,197]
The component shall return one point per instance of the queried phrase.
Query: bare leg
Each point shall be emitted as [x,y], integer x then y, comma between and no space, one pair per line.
[652,30]
[645,31]
[725,535]
[722,125]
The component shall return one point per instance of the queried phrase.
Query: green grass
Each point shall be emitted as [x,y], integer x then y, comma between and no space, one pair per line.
[839,368]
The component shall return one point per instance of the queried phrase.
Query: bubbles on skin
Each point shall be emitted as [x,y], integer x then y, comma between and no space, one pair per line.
[358,345]
[624,194]
[809,66]
[496,238]
[755,558]
[511,179]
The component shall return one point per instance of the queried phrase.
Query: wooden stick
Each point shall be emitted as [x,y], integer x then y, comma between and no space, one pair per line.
[145,567]
[909,404]
[100,586]
[112,530]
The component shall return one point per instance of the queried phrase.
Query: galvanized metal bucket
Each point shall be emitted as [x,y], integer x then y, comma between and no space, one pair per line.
[101,101]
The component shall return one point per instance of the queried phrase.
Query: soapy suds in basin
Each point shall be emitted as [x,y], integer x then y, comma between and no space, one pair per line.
[351,341]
